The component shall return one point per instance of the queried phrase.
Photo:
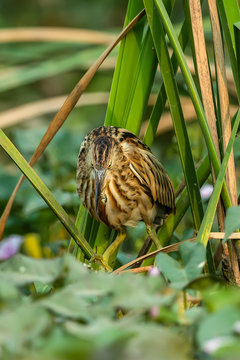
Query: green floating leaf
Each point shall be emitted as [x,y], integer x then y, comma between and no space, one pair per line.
[157,342]
[8,292]
[232,221]
[21,270]
[193,260]
[172,270]
[217,325]
[223,297]
[22,325]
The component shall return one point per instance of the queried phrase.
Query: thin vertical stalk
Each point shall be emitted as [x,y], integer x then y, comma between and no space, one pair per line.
[203,234]
[176,111]
[206,90]
[225,118]
[193,93]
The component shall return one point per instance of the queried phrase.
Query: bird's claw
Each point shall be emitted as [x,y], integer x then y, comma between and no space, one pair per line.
[99,259]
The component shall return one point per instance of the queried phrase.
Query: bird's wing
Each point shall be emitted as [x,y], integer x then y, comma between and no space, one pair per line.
[150,173]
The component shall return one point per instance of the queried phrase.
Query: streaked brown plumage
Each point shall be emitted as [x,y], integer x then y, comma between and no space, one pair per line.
[120,181]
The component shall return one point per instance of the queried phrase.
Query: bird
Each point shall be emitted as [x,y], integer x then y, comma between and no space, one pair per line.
[121,182]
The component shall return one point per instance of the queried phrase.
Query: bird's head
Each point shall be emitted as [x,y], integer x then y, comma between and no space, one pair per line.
[102,151]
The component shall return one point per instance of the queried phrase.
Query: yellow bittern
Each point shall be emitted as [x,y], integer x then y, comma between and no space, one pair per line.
[121,182]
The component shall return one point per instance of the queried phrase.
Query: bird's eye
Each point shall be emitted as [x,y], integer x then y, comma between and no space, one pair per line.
[109,165]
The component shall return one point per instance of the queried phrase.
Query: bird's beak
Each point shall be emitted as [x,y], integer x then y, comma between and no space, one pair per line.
[99,176]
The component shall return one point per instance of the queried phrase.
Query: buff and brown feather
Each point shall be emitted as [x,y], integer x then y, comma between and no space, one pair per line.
[120,181]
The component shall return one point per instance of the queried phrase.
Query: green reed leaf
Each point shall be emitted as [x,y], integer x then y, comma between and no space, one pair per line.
[206,225]
[45,194]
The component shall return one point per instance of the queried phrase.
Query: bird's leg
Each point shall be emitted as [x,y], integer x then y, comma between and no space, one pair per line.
[153,235]
[114,245]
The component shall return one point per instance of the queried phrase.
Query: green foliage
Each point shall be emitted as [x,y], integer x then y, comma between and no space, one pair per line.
[86,313]
[232,221]
[192,262]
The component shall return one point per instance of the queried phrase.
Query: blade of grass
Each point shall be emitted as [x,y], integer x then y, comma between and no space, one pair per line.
[193,93]
[176,111]
[225,119]
[204,80]
[139,92]
[232,12]
[223,98]
[206,225]
[63,113]
[203,69]
[237,40]
[162,96]
[229,14]
[125,67]
[188,17]
[45,193]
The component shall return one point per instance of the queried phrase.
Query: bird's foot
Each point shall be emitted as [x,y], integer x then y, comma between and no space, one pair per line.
[99,259]
[153,235]
[114,246]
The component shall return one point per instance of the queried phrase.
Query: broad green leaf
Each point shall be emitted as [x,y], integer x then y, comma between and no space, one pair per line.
[193,260]
[102,333]
[22,325]
[172,270]
[8,291]
[219,324]
[126,67]
[221,298]
[157,342]
[73,302]
[193,257]
[232,221]
[138,94]
[22,269]
[162,96]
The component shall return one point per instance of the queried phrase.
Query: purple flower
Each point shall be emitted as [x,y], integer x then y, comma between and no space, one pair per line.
[154,271]
[10,246]
[206,191]
[154,311]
